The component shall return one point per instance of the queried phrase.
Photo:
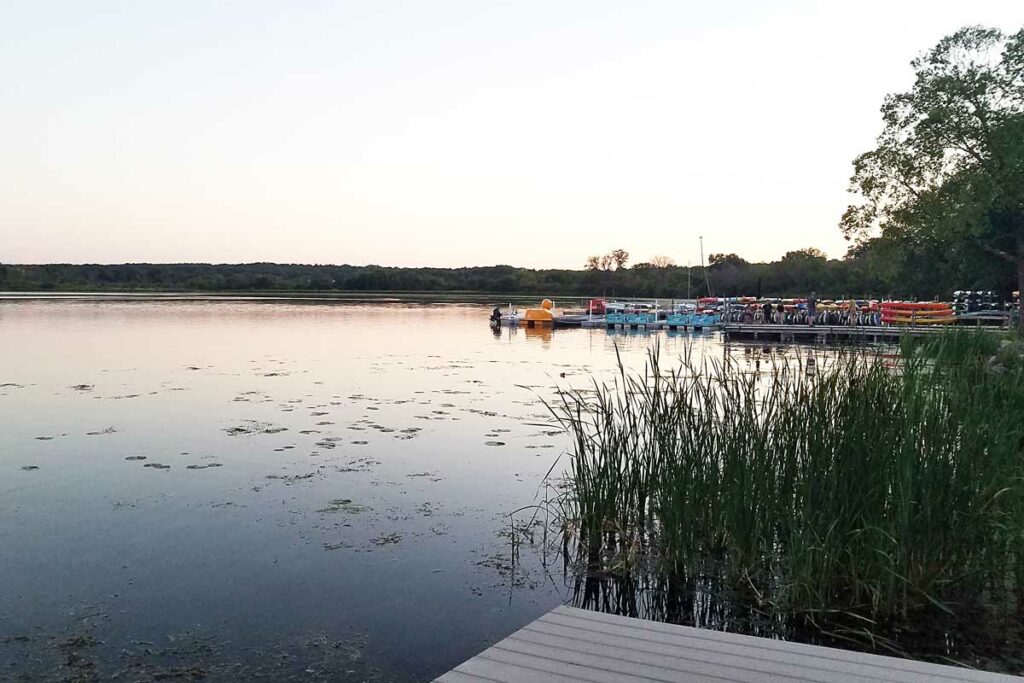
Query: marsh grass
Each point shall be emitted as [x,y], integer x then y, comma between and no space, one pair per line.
[852,499]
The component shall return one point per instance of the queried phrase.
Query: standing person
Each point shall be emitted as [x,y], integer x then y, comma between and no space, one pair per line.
[812,308]
[780,311]
[766,311]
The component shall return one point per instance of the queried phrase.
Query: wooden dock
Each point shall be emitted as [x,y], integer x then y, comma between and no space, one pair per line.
[825,333]
[569,645]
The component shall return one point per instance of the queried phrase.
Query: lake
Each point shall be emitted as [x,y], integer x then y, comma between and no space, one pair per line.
[276,490]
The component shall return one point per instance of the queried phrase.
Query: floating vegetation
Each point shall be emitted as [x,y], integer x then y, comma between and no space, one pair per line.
[857,504]
[358,465]
[29,468]
[292,478]
[387,539]
[408,433]
[108,430]
[204,466]
[494,443]
[340,545]
[427,509]
[157,466]
[135,457]
[78,642]
[344,505]
[254,427]
[82,387]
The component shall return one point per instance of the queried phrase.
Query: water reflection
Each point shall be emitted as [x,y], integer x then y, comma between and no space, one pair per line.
[278,487]
[542,334]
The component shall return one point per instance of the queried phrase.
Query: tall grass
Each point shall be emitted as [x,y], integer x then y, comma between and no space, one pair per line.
[863,494]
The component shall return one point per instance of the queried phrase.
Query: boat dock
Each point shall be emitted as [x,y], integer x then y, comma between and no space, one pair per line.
[660,325]
[826,333]
[569,645]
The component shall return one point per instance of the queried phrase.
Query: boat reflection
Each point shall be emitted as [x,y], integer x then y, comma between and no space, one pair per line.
[544,334]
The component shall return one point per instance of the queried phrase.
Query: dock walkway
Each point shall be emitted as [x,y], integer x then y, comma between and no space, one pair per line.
[825,333]
[569,645]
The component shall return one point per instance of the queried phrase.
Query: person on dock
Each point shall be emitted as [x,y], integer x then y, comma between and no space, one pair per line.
[766,311]
[780,312]
[812,308]
[853,313]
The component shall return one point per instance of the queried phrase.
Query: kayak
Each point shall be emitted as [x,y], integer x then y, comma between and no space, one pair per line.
[918,307]
[947,320]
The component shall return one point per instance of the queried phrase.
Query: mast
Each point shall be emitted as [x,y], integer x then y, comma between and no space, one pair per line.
[707,279]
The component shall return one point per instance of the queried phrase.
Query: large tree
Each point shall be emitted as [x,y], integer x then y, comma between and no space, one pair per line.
[948,170]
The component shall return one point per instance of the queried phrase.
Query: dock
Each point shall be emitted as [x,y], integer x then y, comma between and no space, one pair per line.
[826,333]
[569,645]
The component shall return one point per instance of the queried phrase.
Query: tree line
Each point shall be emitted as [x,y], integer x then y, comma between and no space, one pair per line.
[873,268]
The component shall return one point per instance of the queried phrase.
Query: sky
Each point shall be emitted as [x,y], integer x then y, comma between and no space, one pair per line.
[444,133]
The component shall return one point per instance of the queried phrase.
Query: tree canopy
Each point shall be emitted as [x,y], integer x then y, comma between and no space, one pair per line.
[944,188]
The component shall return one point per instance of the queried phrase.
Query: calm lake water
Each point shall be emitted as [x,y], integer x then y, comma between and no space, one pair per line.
[275,490]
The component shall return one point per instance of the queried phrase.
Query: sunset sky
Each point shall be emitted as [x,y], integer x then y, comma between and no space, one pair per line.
[444,133]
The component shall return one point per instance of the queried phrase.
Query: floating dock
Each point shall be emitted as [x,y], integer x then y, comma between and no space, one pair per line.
[569,645]
[826,333]
[660,325]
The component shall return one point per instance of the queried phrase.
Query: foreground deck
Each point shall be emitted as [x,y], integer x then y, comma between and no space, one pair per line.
[569,645]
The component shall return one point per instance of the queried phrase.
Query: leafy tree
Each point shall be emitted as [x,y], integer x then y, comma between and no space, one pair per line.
[593,263]
[948,169]
[808,254]
[619,257]
[725,259]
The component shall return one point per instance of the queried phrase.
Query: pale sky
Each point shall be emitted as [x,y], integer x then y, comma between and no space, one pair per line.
[444,133]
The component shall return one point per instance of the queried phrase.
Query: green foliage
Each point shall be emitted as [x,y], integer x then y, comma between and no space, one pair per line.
[863,492]
[948,169]
[875,268]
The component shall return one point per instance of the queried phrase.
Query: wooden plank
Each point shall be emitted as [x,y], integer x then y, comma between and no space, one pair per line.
[663,668]
[454,676]
[763,645]
[495,667]
[569,645]
[688,654]
[812,656]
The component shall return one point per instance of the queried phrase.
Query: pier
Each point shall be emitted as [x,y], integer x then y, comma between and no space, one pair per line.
[826,333]
[569,645]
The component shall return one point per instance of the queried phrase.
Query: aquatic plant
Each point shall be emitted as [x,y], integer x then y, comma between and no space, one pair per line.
[851,493]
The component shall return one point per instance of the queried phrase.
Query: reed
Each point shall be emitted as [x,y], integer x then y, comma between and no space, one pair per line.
[862,493]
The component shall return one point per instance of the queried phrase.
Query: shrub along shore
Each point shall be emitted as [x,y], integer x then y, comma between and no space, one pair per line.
[867,499]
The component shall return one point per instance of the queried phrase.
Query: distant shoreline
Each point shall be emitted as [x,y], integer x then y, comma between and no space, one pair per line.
[453,297]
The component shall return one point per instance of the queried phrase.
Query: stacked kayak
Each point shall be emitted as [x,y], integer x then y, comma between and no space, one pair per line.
[909,313]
